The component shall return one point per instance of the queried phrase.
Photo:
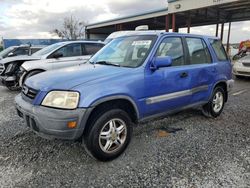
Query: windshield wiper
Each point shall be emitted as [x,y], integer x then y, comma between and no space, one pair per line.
[107,63]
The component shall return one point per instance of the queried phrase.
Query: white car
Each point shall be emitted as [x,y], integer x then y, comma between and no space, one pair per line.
[139,29]
[14,71]
[241,68]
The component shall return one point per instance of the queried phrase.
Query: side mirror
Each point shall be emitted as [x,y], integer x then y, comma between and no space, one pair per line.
[161,62]
[57,55]
[11,54]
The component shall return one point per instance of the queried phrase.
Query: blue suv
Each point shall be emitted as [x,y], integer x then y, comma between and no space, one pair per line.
[132,79]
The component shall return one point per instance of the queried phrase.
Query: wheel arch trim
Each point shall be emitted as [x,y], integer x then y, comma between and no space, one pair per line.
[219,82]
[117,97]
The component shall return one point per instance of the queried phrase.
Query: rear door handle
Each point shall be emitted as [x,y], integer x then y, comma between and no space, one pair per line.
[184,75]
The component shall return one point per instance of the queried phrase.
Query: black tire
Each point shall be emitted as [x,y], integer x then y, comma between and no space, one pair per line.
[209,108]
[238,77]
[91,139]
[32,73]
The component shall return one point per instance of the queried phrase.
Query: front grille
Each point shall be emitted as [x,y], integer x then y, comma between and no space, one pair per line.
[246,64]
[29,92]
[245,73]
[1,68]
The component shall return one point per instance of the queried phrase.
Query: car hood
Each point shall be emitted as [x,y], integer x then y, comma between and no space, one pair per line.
[68,78]
[245,59]
[42,63]
[36,63]
[19,58]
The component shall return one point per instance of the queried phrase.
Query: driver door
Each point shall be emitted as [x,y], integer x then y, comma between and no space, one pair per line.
[72,55]
[167,88]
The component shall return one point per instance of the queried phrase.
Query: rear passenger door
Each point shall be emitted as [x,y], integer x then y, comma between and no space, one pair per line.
[202,70]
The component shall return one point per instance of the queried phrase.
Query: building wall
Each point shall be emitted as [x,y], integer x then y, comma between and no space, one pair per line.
[98,36]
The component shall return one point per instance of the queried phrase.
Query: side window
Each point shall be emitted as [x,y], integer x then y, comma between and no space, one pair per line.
[70,50]
[92,48]
[34,50]
[172,46]
[198,51]
[21,51]
[219,49]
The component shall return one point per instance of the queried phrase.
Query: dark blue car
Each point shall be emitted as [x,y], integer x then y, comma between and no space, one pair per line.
[132,79]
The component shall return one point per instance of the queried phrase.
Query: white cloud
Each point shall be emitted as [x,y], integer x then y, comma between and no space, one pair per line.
[36,18]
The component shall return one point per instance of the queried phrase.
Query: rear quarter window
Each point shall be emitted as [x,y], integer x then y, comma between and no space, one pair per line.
[219,49]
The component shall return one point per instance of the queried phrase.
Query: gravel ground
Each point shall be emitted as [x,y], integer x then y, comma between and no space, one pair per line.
[194,152]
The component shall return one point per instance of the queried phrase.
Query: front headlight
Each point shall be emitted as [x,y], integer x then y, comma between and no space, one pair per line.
[10,68]
[61,99]
[237,64]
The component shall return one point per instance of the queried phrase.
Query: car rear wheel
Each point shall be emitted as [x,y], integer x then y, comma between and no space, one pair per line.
[108,135]
[216,104]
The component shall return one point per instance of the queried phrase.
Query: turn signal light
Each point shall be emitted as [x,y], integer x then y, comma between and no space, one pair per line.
[72,124]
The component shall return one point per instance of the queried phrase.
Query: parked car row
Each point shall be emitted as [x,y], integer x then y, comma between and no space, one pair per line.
[134,78]
[14,71]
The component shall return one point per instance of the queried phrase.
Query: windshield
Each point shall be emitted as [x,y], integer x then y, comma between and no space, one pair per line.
[47,49]
[130,51]
[5,52]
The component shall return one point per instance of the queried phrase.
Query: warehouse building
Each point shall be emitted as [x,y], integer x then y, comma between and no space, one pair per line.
[179,14]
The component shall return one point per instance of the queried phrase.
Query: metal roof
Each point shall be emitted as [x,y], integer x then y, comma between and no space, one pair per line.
[213,12]
[145,15]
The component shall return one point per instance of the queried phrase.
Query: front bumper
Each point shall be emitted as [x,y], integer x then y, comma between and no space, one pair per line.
[8,80]
[1,83]
[52,123]
[241,70]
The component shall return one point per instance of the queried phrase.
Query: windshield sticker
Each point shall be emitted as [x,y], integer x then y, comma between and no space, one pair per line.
[141,43]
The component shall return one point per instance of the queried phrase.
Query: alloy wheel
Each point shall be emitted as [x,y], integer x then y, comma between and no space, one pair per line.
[113,135]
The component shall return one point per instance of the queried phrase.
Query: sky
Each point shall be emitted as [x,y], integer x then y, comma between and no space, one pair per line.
[36,18]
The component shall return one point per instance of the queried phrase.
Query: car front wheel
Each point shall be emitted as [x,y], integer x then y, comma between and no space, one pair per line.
[108,135]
